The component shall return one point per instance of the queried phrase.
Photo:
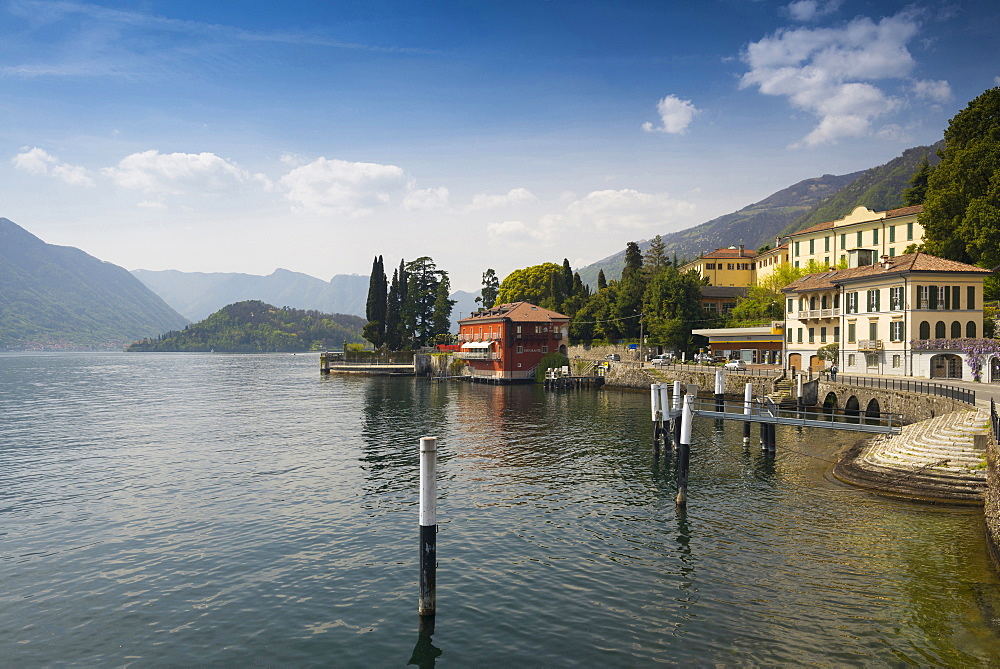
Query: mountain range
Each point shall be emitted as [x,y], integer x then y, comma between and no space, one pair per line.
[58,297]
[805,203]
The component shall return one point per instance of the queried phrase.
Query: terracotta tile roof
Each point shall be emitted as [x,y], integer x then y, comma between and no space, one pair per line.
[905,211]
[521,312]
[912,262]
[813,228]
[730,254]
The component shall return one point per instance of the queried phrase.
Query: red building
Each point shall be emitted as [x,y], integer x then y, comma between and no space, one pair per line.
[506,342]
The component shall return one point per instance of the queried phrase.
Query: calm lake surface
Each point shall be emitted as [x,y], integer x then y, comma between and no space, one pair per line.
[179,509]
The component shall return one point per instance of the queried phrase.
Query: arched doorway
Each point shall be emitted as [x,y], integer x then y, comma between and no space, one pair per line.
[946,366]
[995,369]
[795,361]
[563,349]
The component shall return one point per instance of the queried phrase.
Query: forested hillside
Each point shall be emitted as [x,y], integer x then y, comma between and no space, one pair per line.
[256,327]
[60,298]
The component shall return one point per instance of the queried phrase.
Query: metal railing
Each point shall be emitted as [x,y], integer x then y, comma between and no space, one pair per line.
[937,389]
[710,369]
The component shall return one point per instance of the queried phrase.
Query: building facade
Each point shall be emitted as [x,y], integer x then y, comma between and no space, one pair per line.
[885,317]
[734,266]
[752,345]
[506,342]
[879,233]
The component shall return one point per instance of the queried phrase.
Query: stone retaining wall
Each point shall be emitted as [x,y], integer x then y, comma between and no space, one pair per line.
[599,352]
[631,375]
[914,407]
[991,498]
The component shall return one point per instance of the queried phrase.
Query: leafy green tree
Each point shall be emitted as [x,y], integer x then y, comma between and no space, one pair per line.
[531,284]
[961,216]
[917,191]
[417,312]
[491,286]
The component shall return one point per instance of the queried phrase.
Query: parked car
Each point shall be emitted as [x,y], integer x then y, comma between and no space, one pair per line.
[614,357]
[736,364]
[662,359]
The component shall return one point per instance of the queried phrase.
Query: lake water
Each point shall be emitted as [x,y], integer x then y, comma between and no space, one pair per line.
[177,509]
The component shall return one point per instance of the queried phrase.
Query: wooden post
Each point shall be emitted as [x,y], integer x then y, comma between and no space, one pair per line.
[720,391]
[428,526]
[684,450]
[747,410]
[677,411]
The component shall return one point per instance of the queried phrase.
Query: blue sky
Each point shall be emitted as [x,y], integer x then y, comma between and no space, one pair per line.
[245,136]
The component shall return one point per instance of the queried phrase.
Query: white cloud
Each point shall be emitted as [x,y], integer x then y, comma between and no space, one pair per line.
[608,213]
[342,187]
[513,197]
[428,198]
[675,115]
[935,91]
[811,10]
[828,71]
[38,161]
[180,174]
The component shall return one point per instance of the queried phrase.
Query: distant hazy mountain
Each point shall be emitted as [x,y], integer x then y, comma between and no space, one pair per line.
[198,295]
[753,226]
[465,304]
[58,297]
[806,203]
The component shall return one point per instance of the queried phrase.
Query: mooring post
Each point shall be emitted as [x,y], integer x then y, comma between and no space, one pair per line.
[684,450]
[720,391]
[676,424]
[657,415]
[428,526]
[772,427]
[799,402]
[665,414]
[747,410]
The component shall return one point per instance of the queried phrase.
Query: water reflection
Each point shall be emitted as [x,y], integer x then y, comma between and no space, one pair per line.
[425,653]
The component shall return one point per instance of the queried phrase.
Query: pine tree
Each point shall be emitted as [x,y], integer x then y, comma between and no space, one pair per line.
[491,286]
[602,282]
[392,332]
[375,308]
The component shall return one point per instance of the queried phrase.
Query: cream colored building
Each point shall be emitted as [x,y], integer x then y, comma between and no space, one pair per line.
[879,233]
[771,260]
[875,312]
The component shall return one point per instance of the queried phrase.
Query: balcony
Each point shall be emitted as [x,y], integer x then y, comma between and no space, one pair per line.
[815,313]
[870,344]
[477,355]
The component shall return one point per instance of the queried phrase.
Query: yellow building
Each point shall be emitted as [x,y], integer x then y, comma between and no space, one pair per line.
[877,232]
[771,260]
[734,266]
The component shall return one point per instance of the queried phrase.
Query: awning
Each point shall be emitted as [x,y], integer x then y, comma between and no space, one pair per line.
[477,344]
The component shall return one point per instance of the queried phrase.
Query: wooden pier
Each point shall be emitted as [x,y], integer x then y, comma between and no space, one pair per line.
[560,378]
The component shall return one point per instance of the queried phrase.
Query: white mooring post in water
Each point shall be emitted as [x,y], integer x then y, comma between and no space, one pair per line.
[665,414]
[747,410]
[428,526]
[799,404]
[684,450]
[656,409]
[720,391]
[676,424]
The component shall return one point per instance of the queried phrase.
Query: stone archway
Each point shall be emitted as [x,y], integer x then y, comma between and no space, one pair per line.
[946,366]
[873,410]
[852,407]
[830,402]
[563,349]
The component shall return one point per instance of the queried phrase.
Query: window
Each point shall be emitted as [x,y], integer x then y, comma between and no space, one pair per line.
[826,243]
[873,299]
[843,240]
[940,330]
[802,304]
[790,307]
[860,243]
[892,253]
[896,360]
[875,236]
[822,335]
[892,233]
[851,332]
[843,258]
[729,265]
[823,302]
[909,231]
[836,300]
[932,303]
[545,349]
[945,302]
[896,298]
[728,306]
[812,303]
[851,360]
[796,263]
[826,261]
[896,331]
[970,329]
[970,300]
[873,330]
[799,336]
[852,303]
[710,265]
[836,333]
[797,249]
[925,330]
[788,335]
[520,349]
[518,329]
[956,297]
[812,246]
[923,297]
[956,330]
[812,335]
[871,359]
